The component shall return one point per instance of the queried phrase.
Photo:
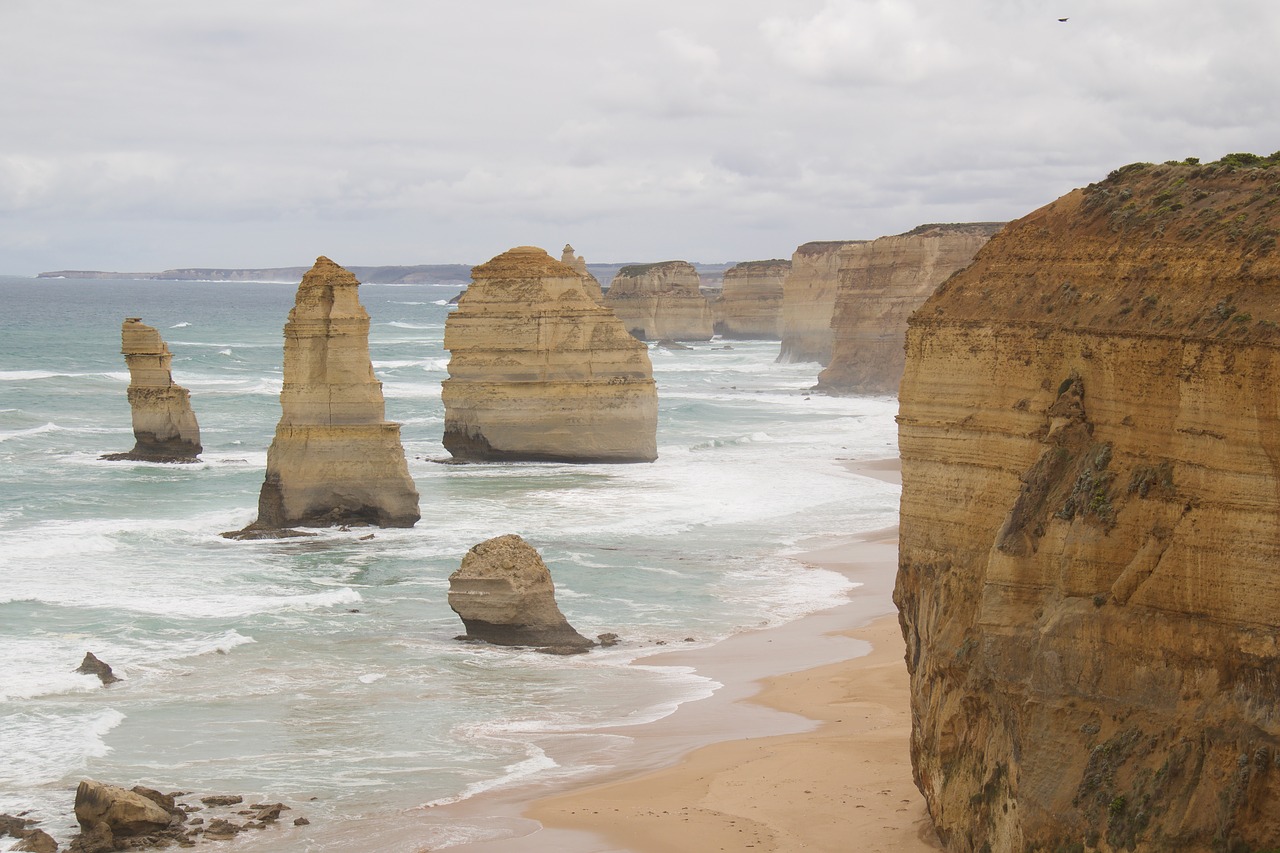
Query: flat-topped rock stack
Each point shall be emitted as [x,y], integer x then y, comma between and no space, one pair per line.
[164,425]
[750,303]
[661,301]
[335,458]
[538,371]
[808,301]
[879,284]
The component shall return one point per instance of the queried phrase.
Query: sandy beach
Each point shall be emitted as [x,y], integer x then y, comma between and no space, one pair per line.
[805,747]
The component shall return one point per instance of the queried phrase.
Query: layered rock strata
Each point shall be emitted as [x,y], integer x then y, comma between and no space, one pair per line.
[750,303]
[878,285]
[538,371]
[661,301]
[504,595]
[164,425]
[808,301]
[589,282]
[335,458]
[1090,440]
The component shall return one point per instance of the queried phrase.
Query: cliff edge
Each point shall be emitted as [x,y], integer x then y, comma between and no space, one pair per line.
[1090,438]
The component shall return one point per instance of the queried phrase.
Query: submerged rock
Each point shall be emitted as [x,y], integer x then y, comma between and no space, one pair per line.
[504,595]
[538,371]
[92,666]
[164,425]
[335,458]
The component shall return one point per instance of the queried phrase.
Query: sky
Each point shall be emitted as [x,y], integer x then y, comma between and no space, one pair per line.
[141,135]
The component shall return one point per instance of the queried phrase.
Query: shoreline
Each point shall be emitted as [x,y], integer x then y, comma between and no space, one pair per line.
[780,689]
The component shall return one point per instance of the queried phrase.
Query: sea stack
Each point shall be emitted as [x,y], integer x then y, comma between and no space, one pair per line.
[879,285]
[1090,440]
[504,595]
[661,302]
[164,426]
[335,458]
[538,371]
[589,282]
[808,301]
[750,304]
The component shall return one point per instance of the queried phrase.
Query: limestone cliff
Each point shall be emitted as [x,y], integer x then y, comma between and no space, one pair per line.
[1090,439]
[879,284]
[335,458]
[539,371]
[808,301]
[661,301]
[164,425]
[750,303]
[589,282]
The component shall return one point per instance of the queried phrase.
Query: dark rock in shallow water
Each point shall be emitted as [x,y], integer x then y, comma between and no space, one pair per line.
[36,841]
[504,595]
[92,666]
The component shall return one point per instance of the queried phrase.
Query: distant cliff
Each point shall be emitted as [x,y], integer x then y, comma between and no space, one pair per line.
[662,300]
[878,285]
[750,301]
[1090,440]
[808,301]
[420,274]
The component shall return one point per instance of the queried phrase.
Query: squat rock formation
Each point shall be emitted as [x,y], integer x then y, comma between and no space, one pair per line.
[661,302]
[504,595]
[538,371]
[1090,440]
[164,426]
[808,301]
[750,304]
[335,458]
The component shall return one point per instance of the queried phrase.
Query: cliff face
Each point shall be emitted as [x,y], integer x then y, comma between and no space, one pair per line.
[164,425]
[879,284]
[808,301]
[661,301]
[335,458]
[1090,438]
[750,304]
[539,371]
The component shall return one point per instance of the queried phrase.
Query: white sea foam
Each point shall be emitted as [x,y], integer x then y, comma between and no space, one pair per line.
[180,326]
[43,748]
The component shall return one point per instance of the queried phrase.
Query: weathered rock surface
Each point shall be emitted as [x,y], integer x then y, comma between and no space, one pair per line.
[164,425]
[879,284]
[750,303]
[1090,440]
[589,282]
[335,458]
[124,812]
[661,300]
[539,371]
[92,666]
[504,595]
[808,301]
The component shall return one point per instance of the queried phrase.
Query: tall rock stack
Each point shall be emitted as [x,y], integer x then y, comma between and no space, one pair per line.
[539,371]
[164,425]
[750,304]
[808,301]
[335,458]
[879,284]
[1090,439]
[661,301]
[589,282]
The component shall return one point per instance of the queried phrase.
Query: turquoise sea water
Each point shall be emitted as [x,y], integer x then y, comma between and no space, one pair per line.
[323,672]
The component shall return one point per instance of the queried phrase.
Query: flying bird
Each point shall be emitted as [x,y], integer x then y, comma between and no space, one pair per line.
[1063,20]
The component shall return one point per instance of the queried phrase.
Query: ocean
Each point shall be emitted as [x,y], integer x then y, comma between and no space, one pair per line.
[324,673]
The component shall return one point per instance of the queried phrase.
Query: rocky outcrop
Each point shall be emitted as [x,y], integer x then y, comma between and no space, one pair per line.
[1090,440]
[504,595]
[663,300]
[539,372]
[124,812]
[879,284]
[589,282]
[750,303]
[92,666]
[808,301]
[164,426]
[335,458]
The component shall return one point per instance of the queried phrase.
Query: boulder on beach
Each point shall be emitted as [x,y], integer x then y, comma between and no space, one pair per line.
[504,595]
[124,812]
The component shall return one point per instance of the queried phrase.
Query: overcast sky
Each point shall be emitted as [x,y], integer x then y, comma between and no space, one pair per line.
[145,134]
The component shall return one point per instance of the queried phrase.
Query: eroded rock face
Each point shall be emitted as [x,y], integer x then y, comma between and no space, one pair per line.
[879,284]
[661,301]
[335,458]
[164,425]
[808,301]
[1090,440]
[538,371]
[124,812]
[504,595]
[750,303]
[589,282]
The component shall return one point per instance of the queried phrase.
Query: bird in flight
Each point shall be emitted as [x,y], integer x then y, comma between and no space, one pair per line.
[1063,20]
